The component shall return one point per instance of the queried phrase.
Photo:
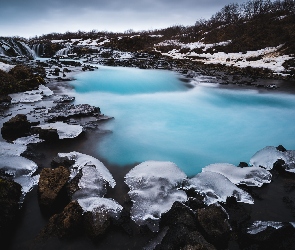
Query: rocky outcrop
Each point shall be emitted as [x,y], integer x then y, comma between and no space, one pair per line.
[214,222]
[16,127]
[10,193]
[51,188]
[67,224]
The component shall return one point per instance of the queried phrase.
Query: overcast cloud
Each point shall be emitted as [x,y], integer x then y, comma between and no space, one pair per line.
[36,17]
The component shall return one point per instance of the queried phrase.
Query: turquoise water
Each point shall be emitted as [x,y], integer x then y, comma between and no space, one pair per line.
[158,118]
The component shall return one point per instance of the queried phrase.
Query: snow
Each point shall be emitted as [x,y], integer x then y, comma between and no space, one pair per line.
[83,160]
[153,190]
[267,156]
[27,183]
[31,96]
[6,67]
[103,205]
[7,149]
[250,176]
[259,226]
[216,187]
[17,165]
[27,140]
[64,130]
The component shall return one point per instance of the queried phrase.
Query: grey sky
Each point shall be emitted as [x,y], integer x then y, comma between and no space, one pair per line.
[36,17]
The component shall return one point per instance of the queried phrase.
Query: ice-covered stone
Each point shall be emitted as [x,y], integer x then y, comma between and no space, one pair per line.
[98,204]
[83,160]
[31,96]
[153,190]
[250,176]
[17,165]
[27,140]
[216,187]
[11,149]
[259,226]
[267,156]
[64,130]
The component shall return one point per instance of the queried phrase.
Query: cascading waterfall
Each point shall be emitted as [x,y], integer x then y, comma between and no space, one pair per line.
[38,49]
[64,51]
[13,47]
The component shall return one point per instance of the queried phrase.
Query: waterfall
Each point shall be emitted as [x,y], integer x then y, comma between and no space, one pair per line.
[64,51]
[30,52]
[38,49]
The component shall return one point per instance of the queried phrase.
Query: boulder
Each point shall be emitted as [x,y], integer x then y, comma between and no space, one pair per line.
[67,224]
[10,193]
[50,135]
[96,224]
[17,126]
[214,222]
[61,161]
[51,188]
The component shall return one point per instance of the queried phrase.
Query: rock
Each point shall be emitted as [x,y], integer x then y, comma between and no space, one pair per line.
[243,164]
[51,188]
[5,99]
[96,224]
[16,127]
[179,237]
[49,135]
[67,224]
[281,148]
[179,214]
[214,221]
[61,161]
[10,193]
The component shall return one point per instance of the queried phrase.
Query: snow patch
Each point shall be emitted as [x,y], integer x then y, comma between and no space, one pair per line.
[250,176]
[6,67]
[9,149]
[153,190]
[28,140]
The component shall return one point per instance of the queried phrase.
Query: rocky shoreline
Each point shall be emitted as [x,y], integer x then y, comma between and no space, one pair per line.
[189,225]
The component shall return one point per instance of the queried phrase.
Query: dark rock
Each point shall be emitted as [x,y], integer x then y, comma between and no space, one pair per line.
[61,161]
[73,185]
[51,188]
[281,148]
[50,135]
[243,165]
[5,98]
[96,224]
[67,224]
[10,193]
[214,222]
[195,203]
[16,127]
[179,214]
[180,237]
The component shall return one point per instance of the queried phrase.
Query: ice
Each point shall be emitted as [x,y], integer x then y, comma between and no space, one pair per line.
[64,130]
[216,187]
[27,183]
[11,149]
[250,176]
[267,156]
[153,190]
[104,205]
[83,160]
[17,165]
[31,96]
[91,183]
[6,67]
[259,226]
[27,140]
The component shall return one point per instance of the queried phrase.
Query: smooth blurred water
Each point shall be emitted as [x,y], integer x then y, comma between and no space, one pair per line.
[158,118]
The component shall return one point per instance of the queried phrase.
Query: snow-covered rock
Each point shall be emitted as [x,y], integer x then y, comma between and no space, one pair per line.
[6,67]
[31,96]
[216,187]
[259,226]
[153,190]
[103,205]
[64,130]
[267,156]
[250,176]
[83,160]
[27,140]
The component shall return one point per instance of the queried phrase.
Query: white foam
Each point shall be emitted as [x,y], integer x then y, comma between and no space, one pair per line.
[259,226]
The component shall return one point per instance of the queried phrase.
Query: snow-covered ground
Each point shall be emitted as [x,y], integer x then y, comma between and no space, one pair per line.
[5,67]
